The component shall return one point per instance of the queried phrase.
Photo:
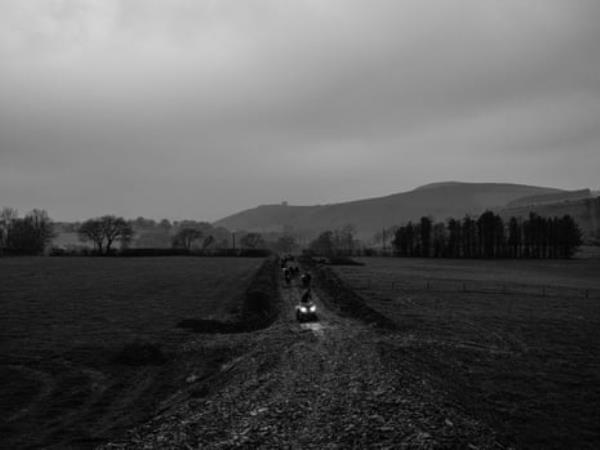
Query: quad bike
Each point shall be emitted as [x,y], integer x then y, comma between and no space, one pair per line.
[306,310]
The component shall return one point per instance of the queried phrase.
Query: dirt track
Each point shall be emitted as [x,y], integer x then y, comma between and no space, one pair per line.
[336,383]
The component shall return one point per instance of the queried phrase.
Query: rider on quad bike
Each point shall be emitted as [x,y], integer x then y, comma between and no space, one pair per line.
[306,310]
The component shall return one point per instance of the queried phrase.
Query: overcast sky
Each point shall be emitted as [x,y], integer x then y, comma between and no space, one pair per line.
[197,109]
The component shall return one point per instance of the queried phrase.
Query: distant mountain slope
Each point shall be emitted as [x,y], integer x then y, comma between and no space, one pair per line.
[550,198]
[439,200]
[585,211]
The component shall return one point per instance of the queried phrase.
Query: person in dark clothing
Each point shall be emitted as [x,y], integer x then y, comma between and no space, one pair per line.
[287,276]
[307,296]
[306,279]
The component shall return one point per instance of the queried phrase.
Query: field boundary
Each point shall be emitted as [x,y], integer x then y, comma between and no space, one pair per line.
[261,306]
[477,287]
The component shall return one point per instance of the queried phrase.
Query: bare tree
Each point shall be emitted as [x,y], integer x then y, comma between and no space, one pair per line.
[7,216]
[29,235]
[207,242]
[105,230]
[324,244]
[286,243]
[346,242]
[252,240]
[185,237]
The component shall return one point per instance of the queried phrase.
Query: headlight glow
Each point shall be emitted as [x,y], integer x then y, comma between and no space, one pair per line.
[303,309]
[313,308]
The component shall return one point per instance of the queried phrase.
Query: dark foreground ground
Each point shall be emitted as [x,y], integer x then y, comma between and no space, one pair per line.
[518,342]
[385,367]
[335,383]
[88,346]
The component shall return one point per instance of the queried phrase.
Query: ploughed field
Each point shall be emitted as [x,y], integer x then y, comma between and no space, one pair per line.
[517,343]
[89,346]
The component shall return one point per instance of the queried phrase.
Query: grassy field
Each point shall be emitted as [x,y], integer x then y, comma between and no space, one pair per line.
[86,343]
[514,342]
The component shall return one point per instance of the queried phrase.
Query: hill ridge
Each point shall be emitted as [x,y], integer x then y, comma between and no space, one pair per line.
[368,215]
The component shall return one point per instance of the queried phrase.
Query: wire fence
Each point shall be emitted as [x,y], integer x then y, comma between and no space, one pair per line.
[472,286]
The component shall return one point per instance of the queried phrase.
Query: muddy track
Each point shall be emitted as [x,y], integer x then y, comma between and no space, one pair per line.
[343,299]
[335,383]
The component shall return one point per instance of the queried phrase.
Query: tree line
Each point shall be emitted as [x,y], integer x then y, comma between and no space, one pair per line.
[488,236]
[337,242]
[190,236]
[33,234]
[24,235]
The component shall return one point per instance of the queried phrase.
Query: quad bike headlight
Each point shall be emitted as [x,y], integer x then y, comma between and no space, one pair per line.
[303,309]
[313,308]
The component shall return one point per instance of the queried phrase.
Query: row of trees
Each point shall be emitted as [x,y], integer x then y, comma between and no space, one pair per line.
[188,238]
[33,234]
[104,231]
[338,242]
[26,235]
[489,237]
[141,223]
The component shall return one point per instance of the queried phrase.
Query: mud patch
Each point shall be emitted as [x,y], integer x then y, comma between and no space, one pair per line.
[318,328]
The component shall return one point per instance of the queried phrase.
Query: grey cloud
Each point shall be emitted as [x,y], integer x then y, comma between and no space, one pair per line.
[312,101]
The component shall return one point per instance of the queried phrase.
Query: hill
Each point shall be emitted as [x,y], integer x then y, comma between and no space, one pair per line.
[563,196]
[439,200]
[585,211]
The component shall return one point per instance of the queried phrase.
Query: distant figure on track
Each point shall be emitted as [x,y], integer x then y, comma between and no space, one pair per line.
[306,279]
[287,275]
[307,296]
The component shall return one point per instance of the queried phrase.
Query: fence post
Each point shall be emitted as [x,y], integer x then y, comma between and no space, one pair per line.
[543,291]
[587,293]
[464,287]
[393,285]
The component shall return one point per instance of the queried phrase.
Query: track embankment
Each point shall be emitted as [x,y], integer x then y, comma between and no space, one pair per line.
[341,298]
[261,306]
